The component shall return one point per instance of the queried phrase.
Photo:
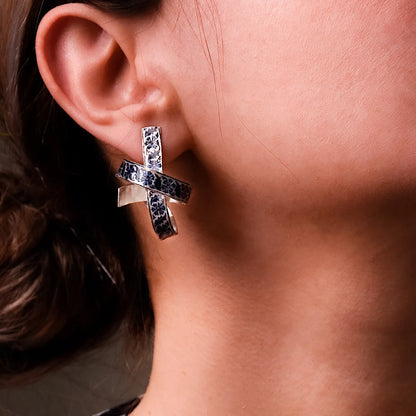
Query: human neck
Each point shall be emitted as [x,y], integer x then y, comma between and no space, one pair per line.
[318,320]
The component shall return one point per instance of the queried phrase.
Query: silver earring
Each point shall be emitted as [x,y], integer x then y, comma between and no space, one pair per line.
[151,185]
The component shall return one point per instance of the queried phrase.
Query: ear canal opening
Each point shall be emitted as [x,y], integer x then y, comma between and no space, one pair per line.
[117,73]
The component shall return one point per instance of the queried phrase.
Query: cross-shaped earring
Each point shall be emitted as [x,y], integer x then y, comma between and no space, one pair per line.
[151,185]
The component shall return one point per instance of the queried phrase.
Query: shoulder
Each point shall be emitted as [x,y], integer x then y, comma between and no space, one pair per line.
[121,410]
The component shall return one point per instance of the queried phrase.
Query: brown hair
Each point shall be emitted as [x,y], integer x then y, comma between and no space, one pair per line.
[70,268]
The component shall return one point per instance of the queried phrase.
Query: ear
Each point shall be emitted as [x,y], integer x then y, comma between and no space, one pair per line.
[87,59]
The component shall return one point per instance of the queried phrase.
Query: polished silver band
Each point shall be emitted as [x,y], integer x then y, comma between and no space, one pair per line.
[154,185]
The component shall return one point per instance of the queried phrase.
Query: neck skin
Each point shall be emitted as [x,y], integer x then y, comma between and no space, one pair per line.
[300,315]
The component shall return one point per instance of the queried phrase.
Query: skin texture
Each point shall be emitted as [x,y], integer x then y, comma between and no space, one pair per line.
[291,287]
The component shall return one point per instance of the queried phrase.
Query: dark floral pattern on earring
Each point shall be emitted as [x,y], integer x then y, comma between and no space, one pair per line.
[156,181]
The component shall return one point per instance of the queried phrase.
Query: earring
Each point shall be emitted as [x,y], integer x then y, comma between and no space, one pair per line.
[152,186]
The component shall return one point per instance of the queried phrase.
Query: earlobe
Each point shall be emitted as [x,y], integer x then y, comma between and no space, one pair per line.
[87,61]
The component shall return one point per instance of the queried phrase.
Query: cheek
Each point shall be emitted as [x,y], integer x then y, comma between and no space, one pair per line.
[324,92]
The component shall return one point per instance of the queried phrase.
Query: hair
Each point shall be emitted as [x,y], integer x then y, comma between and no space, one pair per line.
[71,271]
